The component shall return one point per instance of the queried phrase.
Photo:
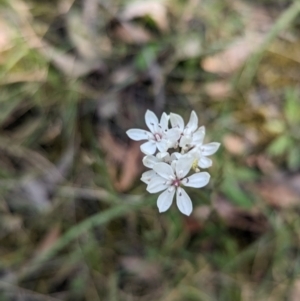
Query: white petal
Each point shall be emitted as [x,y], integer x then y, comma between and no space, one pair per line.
[197,180]
[162,155]
[150,160]
[198,136]
[157,184]
[162,145]
[151,120]
[158,130]
[173,134]
[210,148]
[164,120]
[183,201]
[148,148]
[148,175]
[165,200]
[137,134]
[204,162]
[193,123]
[175,156]
[173,165]
[164,170]
[195,153]
[183,166]
[177,121]
[185,140]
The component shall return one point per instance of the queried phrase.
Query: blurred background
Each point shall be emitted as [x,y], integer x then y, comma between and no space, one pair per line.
[76,222]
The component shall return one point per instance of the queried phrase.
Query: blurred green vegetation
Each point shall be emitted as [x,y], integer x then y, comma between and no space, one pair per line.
[76,223]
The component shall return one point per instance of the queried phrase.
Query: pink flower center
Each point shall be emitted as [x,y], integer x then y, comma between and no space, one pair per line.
[176,183]
[157,137]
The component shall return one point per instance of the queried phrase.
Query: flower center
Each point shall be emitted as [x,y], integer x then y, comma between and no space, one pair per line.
[176,183]
[157,137]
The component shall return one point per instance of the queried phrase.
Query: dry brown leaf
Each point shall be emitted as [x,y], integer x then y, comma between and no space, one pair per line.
[53,131]
[123,158]
[82,36]
[65,62]
[218,89]
[68,63]
[234,144]
[122,74]
[294,182]
[262,162]
[64,6]
[49,239]
[132,33]
[115,150]
[26,76]
[153,9]
[143,269]
[6,35]
[295,291]
[248,220]
[11,223]
[255,16]
[131,167]
[188,47]
[278,194]
[109,105]
[234,56]
[195,222]
[202,212]
[286,49]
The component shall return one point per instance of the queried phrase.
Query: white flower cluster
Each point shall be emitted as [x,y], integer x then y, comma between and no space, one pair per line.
[180,150]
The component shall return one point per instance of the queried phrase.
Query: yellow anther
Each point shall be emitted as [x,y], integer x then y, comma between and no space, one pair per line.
[195,165]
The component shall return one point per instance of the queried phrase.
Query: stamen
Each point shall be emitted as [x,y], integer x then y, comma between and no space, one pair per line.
[176,183]
[157,137]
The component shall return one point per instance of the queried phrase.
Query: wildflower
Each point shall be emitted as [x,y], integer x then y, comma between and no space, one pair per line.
[170,178]
[150,161]
[159,137]
[190,135]
[201,151]
[169,170]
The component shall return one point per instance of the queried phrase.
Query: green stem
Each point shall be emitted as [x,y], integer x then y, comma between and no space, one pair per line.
[98,219]
[286,18]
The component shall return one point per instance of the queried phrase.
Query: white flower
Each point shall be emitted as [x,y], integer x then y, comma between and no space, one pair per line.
[190,135]
[159,137]
[150,161]
[207,150]
[170,178]
[201,151]
[148,175]
[168,170]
